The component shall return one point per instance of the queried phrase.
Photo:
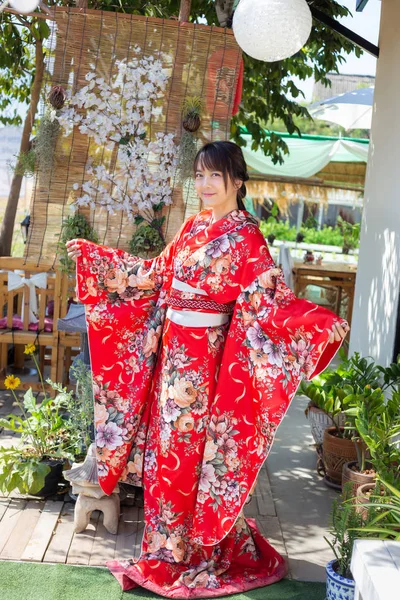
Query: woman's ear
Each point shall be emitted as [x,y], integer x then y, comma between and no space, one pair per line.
[238,183]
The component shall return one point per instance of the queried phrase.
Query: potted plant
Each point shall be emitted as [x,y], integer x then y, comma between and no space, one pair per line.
[351,234]
[381,512]
[47,438]
[352,377]
[344,529]
[376,421]
[322,411]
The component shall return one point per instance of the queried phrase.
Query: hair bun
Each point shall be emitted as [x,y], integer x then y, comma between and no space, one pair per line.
[246,177]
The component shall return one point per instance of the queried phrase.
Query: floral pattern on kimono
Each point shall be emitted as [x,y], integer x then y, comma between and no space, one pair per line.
[191,412]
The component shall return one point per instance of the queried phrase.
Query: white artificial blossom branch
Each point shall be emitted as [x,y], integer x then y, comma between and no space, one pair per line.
[118,113]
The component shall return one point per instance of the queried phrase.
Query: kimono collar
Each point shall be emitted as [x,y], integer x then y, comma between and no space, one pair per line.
[203,232]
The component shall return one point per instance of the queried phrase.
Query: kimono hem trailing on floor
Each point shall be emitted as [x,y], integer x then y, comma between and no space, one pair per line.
[196,356]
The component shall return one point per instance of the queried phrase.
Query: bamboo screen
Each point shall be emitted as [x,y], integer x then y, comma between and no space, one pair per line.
[199,60]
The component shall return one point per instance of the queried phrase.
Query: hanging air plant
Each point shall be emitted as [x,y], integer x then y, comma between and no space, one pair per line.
[186,155]
[192,108]
[45,142]
[57,97]
[148,240]
[191,113]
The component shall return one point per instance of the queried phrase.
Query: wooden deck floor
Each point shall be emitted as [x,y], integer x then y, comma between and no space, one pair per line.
[43,531]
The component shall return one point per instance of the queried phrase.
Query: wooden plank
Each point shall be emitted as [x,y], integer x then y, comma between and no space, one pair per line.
[103,546]
[43,532]
[60,542]
[82,543]
[9,520]
[127,530]
[21,533]
[4,502]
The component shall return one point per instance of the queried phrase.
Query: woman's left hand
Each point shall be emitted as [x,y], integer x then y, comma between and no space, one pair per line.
[338,332]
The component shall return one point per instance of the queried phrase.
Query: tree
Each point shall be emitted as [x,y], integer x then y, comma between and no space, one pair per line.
[265,90]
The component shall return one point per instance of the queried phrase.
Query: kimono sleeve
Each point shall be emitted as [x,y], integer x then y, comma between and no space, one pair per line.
[108,274]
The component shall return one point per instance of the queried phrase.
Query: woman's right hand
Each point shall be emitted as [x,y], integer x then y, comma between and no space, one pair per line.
[73,249]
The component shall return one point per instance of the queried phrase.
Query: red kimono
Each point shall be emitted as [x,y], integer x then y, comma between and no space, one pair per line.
[196,356]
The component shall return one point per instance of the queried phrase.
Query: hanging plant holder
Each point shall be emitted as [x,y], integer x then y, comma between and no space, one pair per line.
[191,113]
[57,97]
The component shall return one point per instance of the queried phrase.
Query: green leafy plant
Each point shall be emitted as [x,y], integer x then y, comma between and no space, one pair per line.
[74,226]
[327,235]
[25,163]
[383,513]
[81,410]
[148,239]
[49,430]
[350,232]
[377,423]
[345,526]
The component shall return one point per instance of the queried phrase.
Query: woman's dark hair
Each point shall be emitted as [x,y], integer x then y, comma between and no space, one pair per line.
[228,158]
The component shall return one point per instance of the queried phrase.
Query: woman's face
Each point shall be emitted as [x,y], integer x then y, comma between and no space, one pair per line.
[210,187]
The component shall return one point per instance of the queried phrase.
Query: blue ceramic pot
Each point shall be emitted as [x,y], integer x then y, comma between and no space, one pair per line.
[338,587]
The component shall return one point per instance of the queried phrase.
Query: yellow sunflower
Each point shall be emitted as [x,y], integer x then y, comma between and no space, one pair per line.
[11,382]
[29,349]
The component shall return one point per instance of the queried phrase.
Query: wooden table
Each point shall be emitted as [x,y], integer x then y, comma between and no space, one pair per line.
[338,276]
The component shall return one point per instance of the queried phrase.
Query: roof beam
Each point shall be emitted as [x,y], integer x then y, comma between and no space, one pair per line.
[361,4]
[345,32]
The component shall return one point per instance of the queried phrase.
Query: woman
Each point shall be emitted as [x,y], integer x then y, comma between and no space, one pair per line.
[195,357]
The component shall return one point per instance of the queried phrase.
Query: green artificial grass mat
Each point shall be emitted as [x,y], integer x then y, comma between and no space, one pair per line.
[37,581]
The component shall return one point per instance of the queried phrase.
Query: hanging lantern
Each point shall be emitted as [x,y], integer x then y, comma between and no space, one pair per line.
[24,6]
[272,30]
[25,227]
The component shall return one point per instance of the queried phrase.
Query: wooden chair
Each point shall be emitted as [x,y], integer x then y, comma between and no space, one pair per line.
[11,304]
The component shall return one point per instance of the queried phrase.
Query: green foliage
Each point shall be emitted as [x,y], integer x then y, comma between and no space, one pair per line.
[328,236]
[44,434]
[357,388]
[345,527]
[81,409]
[56,428]
[147,241]
[75,226]
[18,36]
[350,232]
[383,521]
[19,470]
[25,163]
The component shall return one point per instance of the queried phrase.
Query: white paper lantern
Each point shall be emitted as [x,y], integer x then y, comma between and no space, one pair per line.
[24,6]
[272,30]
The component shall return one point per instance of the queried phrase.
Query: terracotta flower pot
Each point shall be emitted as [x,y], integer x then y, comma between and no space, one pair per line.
[362,499]
[356,478]
[336,452]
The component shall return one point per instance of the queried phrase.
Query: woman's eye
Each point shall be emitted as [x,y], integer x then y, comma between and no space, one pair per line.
[216,174]
[198,175]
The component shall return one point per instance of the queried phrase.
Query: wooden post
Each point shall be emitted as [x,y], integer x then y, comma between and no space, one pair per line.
[184,11]
[81,3]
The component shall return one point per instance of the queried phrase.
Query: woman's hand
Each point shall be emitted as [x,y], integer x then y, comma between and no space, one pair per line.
[338,332]
[73,249]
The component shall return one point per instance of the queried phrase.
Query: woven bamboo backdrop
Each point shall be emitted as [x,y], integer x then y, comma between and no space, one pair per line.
[200,60]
